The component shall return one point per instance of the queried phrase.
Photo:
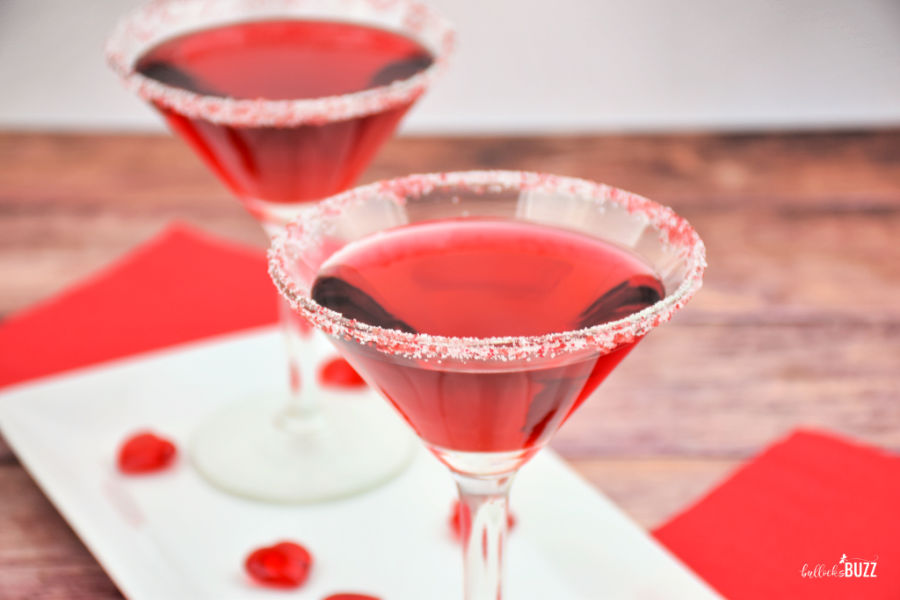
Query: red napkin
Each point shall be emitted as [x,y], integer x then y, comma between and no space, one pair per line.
[809,500]
[178,287]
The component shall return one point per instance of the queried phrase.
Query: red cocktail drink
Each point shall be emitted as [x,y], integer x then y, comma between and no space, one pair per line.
[486,306]
[484,278]
[286,60]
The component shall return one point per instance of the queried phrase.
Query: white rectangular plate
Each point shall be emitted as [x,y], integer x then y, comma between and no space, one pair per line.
[171,536]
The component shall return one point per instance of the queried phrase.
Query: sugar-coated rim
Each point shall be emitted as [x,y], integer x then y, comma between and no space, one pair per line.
[674,231]
[149,22]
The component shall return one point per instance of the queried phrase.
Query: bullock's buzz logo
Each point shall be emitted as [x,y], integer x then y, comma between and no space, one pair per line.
[856,568]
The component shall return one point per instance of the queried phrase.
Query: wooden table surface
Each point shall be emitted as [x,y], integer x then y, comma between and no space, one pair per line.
[798,323]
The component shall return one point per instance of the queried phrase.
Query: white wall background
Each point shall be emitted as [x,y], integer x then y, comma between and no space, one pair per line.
[539,65]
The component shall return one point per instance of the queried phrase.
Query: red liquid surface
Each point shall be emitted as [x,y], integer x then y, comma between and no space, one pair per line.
[285,60]
[484,277]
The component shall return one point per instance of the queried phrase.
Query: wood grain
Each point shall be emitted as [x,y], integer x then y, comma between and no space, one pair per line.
[813,171]
[726,390]
[40,557]
[69,203]
[797,325]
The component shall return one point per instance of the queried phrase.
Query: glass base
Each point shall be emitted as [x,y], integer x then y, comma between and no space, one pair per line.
[353,444]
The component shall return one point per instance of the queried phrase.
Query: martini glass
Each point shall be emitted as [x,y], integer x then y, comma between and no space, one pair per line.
[424,283]
[287,101]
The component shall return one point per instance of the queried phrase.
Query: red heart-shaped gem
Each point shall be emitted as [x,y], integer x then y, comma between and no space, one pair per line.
[352,597]
[460,520]
[338,373]
[284,564]
[145,452]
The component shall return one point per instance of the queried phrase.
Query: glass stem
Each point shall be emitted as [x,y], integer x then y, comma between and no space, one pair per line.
[302,412]
[483,521]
